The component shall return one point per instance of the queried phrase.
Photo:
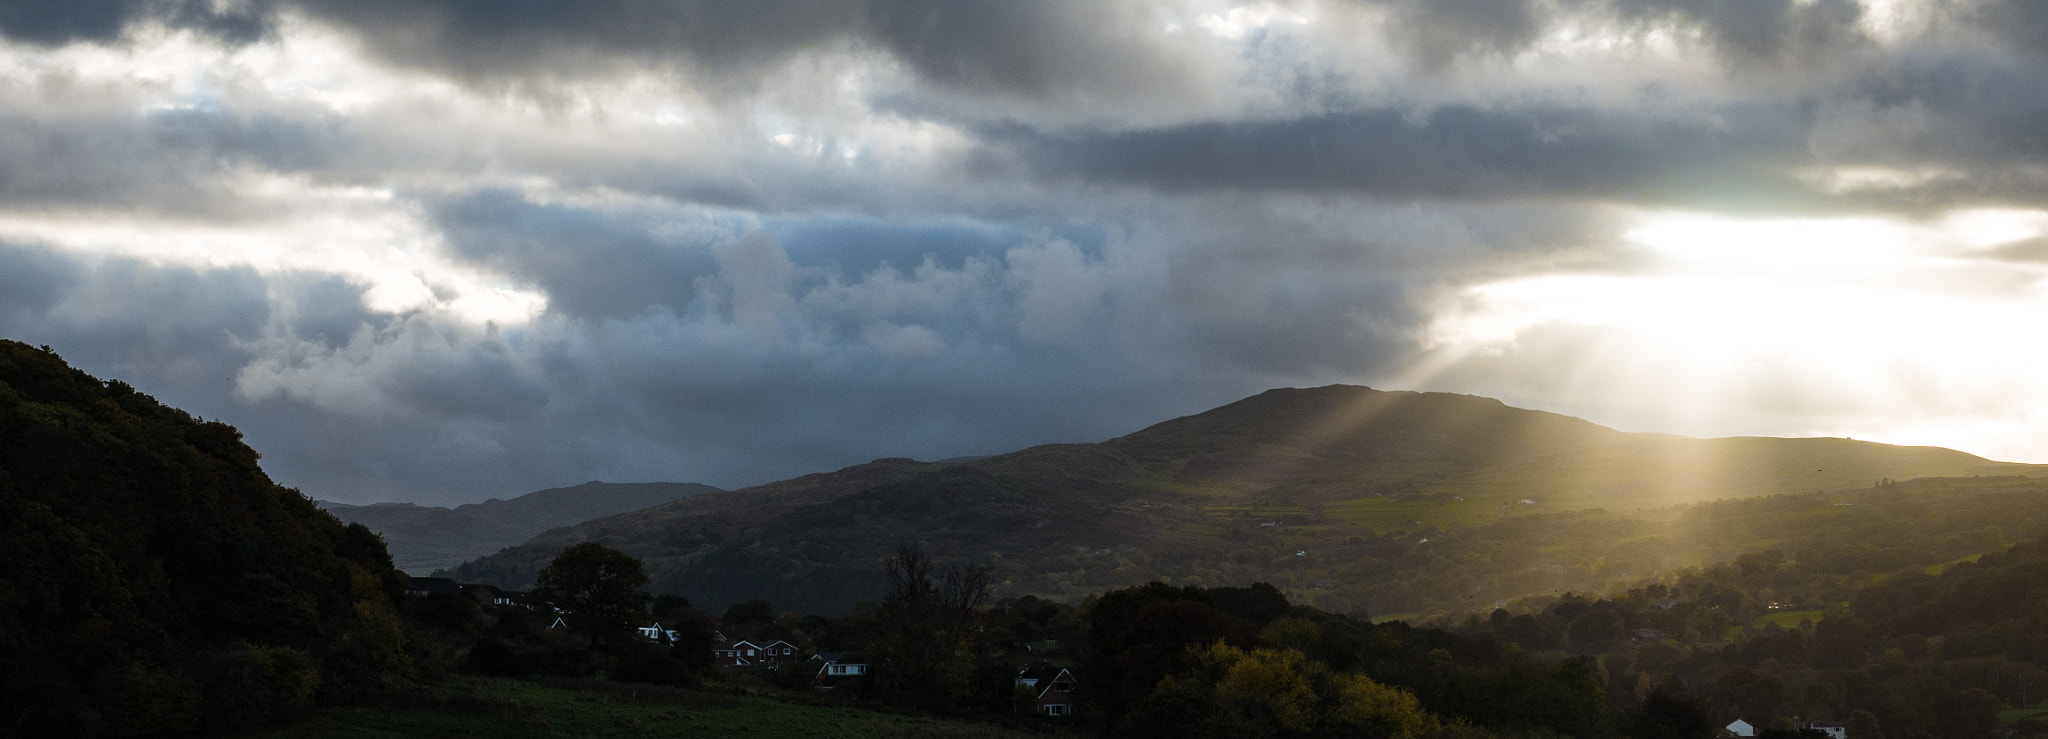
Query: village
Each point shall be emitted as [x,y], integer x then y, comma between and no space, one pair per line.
[1047,687]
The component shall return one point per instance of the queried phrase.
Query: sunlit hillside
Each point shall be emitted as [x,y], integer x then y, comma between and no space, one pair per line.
[1292,486]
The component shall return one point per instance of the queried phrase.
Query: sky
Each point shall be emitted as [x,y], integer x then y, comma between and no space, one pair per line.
[443,250]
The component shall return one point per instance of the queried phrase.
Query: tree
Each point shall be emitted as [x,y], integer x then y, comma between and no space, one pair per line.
[1863,725]
[926,619]
[1665,715]
[745,620]
[1138,636]
[599,586]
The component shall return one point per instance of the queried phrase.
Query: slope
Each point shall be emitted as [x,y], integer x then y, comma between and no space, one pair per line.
[1264,488]
[427,538]
[156,579]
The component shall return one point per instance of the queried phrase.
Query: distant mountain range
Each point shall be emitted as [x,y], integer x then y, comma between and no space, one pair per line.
[425,538]
[1200,498]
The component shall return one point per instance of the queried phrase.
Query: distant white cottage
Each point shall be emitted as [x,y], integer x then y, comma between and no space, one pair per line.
[1741,728]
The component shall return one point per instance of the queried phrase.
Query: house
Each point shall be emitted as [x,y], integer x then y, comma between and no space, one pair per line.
[429,585]
[730,656]
[513,598]
[748,654]
[1741,728]
[1052,689]
[1834,731]
[781,651]
[1646,635]
[659,634]
[836,669]
[1046,646]
[484,595]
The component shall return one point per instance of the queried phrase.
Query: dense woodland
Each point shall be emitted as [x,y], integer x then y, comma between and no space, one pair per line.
[157,581]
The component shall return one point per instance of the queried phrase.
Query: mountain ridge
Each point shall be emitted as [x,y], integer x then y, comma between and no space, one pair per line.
[426,538]
[1340,463]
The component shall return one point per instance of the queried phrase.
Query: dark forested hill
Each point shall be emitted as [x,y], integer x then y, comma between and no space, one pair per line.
[426,538]
[1293,486]
[156,580]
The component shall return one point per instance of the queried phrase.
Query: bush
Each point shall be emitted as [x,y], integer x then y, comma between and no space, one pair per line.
[492,657]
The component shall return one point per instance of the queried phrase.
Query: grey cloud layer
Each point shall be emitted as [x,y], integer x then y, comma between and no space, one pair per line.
[1120,237]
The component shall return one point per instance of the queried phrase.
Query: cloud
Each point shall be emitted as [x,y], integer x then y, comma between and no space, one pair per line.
[446,249]
[1453,152]
[709,40]
[62,21]
[1773,32]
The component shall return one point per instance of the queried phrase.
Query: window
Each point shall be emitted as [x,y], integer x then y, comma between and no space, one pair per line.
[1056,709]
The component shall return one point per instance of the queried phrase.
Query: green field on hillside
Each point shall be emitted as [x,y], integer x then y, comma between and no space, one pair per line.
[1790,619]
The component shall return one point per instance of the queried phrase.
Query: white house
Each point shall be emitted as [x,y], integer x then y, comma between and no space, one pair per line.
[1052,689]
[837,668]
[1741,728]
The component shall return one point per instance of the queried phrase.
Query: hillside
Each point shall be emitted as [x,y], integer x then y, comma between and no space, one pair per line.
[156,579]
[426,538]
[1899,610]
[1228,496]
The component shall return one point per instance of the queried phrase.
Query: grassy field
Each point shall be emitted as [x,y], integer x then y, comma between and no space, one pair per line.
[1936,569]
[1790,619]
[2014,714]
[518,709]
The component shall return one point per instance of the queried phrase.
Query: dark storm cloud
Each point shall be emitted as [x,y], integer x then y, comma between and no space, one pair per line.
[1029,49]
[1454,152]
[1747,33]
[1760,31]
[32,279]
[592,264]
[1049,48]
[167,327]
[1437,31]
[1982,112]
[63,21]
[165,161]
[2023,24]
[487,40]
[1947,113]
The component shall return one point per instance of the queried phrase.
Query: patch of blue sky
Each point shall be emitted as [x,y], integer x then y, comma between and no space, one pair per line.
[857,244]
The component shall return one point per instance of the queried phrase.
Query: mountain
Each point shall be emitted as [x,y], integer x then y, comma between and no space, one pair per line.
[156,581]
[1294,486]
[425,538]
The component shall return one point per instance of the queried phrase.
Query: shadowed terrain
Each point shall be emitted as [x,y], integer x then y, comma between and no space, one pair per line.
[1233,493]
[426,538]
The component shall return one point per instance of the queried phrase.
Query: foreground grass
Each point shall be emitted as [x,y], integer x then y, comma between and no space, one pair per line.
[2014,714]
[518,709]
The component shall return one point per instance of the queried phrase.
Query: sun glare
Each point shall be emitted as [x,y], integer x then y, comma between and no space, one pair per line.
[1887,325]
